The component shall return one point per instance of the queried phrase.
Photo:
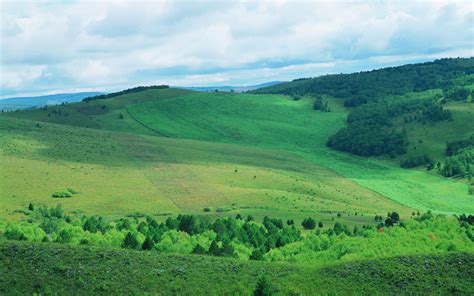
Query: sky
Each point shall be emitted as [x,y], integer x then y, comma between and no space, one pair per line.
[71,46]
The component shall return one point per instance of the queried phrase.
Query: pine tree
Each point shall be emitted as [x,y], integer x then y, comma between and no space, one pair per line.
[148,244]
[130,241]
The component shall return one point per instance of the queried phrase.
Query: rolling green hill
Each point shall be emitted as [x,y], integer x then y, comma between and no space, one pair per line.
[153,124]
[157,168]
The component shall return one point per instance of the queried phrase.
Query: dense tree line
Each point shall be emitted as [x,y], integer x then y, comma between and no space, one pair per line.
[457,93]
[123,92]
[360,88]
[453,147]
[414,161]
[270,239]
[459,164]
[460,158]
[370,132]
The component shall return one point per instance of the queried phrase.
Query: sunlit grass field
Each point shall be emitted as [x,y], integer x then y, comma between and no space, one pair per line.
[170,151]
[121,173]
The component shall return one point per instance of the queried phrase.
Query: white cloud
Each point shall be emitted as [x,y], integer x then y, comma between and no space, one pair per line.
[111,44]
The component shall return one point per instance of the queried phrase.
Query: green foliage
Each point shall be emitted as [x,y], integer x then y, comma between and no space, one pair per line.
[457,93]
[454,147]
[308,223]
[64,269]
[359,88]
[130,241]
[414,161]
[64,193]
[320,105]
[264,287]
[459,164]
[271,240]
[370,130]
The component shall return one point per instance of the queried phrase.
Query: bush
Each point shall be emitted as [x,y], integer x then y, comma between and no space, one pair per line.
[64,193]
[309,223]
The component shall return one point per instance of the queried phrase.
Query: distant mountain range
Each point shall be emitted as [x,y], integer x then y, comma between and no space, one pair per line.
[229,88]
[10,104]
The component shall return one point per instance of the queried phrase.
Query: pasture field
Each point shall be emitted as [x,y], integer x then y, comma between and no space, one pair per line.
[278,122]
[121,173]
[240,152]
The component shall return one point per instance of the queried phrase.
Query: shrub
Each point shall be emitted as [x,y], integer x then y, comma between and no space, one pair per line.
[309,223]
[64,193]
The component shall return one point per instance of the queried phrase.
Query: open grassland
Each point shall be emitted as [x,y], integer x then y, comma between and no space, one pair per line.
[120,173]
[50,268]
[294,172]
[278,122]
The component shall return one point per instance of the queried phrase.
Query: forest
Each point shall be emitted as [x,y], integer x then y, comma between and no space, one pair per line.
[370,130]
[362,87]
[245,238]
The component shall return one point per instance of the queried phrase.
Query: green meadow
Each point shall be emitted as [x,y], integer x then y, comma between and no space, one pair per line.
[170,151]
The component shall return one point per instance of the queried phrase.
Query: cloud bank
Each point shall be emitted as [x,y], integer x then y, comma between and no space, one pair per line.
[111,45]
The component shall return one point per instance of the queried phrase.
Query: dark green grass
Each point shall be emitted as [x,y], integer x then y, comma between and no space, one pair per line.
[57,269]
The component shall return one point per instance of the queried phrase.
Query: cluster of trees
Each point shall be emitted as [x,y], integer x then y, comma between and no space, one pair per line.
[414,161]
[123,92]
[245,238]
[460,157]
[452,147]
[370,131]
[457,93]
[467,219]
[320,105]
[459,164]
[360,88]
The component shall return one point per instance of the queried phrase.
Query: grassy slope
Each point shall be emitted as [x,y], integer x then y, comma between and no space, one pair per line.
[51,268]
[277,122]
[118,173]
[266,121]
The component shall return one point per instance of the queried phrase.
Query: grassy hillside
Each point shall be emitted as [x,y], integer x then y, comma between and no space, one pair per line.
[51,268]
[119,173]
[204,173]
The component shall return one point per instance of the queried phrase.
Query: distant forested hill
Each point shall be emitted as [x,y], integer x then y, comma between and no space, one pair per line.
[359,88]
[40,101]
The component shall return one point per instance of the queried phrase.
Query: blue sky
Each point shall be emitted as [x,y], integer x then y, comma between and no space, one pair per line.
[52,47]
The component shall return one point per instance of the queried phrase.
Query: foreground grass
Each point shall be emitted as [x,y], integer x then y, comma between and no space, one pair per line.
[47,268]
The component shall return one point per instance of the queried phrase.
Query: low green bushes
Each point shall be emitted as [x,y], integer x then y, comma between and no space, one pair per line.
[64,193]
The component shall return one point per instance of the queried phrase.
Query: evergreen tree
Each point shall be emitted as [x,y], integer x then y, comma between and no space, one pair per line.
[198,249]
[148,244]
[130,241]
